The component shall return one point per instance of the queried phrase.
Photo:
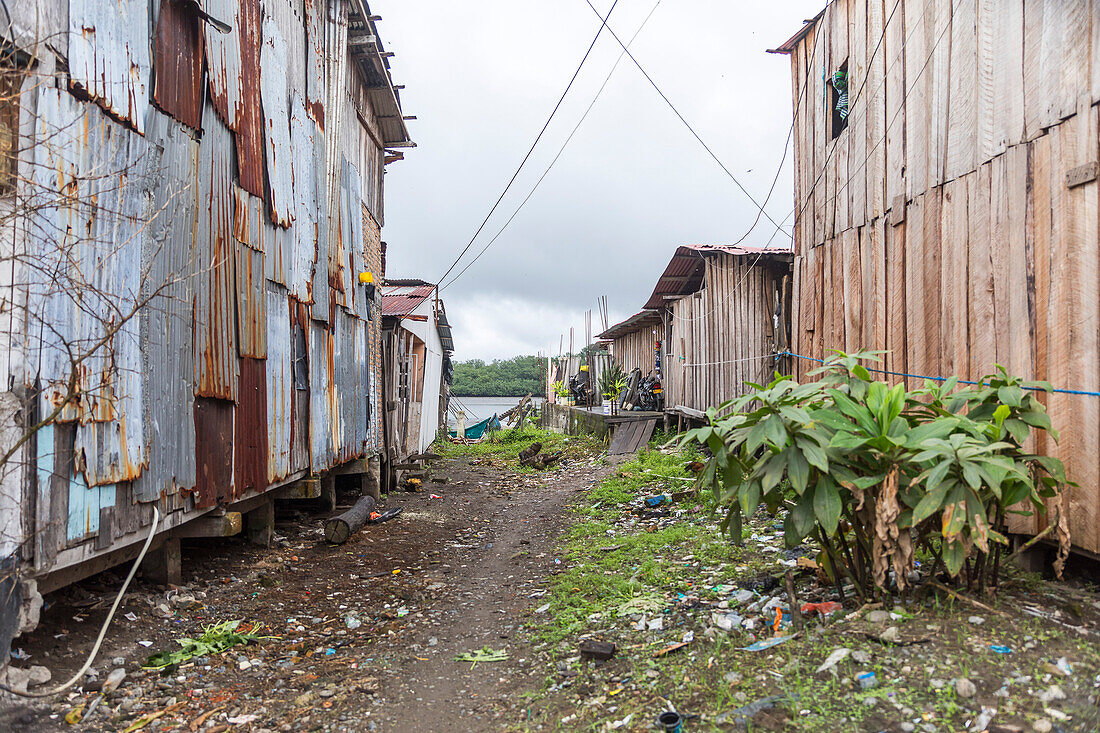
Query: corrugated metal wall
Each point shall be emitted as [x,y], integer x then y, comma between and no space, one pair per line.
[255,358]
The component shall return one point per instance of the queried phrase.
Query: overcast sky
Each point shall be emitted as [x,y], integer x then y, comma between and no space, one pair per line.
[631,186]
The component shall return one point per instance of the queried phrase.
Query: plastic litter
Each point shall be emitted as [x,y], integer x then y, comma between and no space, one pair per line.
[1000,649]
[766,643]
[656,501]
[867,680]
[835,658]
[670,721]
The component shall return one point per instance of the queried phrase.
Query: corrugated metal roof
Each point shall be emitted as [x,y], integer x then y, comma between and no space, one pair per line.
[637,322]
[684,272]
[791,43]
[401,300]
[384,95]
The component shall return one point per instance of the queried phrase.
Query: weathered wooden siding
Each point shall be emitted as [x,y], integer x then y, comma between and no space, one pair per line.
[635,350]
[981,253]
[726,333]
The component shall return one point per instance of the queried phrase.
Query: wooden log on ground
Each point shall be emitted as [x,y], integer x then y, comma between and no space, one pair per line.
[342,526]
[541,461]
[529,452]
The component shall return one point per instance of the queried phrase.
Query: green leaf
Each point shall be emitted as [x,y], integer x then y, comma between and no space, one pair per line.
[1010,395]
[773,471]
[954,553]
[798,470]
[814,453]
[749,495]
[827,505]
[800,520]
[755,438]
[931,503]
[775,431]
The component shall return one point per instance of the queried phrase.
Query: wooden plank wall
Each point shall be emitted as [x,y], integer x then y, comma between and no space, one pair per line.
[978,251]
[635,350]
[724,334]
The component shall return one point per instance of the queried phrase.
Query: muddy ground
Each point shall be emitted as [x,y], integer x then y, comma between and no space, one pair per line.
[450,575]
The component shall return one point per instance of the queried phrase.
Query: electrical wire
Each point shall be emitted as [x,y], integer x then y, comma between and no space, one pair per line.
[560,151]
[683,119]
[603,24]
[106,623]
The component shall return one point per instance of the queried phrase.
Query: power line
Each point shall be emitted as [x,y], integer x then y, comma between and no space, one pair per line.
[560,151]
[682,119]
[603,24]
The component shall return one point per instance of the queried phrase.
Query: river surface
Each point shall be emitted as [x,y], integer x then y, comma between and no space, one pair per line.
[479,408]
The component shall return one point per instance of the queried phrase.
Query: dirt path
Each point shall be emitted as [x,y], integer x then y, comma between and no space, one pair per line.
[450,575]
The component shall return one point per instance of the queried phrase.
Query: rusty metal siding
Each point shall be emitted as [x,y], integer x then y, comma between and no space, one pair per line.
[351,214]
[315,60]
[280,383]
[305,139]
[251,302]
[213,451]
[223,61]
[250,428]
[274,93]
[178,53]
[109,56]
[323,406]
[215,334]
[300,420]
[168,254]
[250,118]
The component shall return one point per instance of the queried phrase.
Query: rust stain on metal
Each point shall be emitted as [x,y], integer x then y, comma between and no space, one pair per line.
[213,451]
[249,132]
[315,60]
[250,428]
[178,53]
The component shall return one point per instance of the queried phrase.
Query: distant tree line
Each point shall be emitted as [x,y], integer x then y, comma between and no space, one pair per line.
[513,377]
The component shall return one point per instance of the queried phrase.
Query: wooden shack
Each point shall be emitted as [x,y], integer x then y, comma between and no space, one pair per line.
[635,343]
[950,216]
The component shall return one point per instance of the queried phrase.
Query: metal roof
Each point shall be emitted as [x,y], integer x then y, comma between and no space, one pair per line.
[791,43]
[637,322]
[365,46]
[401,300]
[684,272]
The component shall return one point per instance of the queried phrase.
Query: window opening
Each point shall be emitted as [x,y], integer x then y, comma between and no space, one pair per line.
[839,96]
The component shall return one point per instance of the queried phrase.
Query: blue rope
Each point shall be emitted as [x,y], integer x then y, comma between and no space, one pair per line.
[939,379]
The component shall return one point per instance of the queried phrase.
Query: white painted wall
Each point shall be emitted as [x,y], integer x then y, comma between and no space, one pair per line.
[427,332]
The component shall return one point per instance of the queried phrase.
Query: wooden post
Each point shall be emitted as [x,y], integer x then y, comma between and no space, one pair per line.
[328,492]
[259,524]
[341,527]
[163,565]
[372,481]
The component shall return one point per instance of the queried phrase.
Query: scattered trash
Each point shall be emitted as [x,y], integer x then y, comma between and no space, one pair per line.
[75,715]
[767,643]
[833,659]
[484,654]
[146,644]
[742,716]
[215,639]
[114,679]
[670,721]
[641,604]
[670,648]
[593,649]
[147,719]
[434,496]
[379,517]
[867,680]
[984,719]
[726,621]
[976,620]
[19,654]
[1000,649]
[656,624]
[131,616]
[655,501]
[824,608]
[965,688]
[242,719]
[543,608]
[1061,668]
[352,621]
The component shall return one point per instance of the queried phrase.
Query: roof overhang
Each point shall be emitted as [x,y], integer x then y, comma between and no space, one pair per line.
[685,271]
[365,46]
[791,43]
[638,322]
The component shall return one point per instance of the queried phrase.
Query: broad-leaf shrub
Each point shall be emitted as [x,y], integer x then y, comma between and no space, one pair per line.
[874,472]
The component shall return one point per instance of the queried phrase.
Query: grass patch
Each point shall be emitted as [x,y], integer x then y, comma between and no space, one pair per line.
[505,446]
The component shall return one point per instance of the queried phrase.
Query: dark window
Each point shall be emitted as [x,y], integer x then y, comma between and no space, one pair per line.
[11,81]
[301,360]
[838,120]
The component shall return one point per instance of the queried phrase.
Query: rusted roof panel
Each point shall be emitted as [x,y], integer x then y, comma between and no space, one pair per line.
[251,302]
[250,427]
[215,292]
[178,52]
[109,55]
[402,300]
[250,119]
[315,60]
[280,383]
[684,272]
[223,61]
[166,327]
[307,142]
[274,93]
[792,43]
[323,430]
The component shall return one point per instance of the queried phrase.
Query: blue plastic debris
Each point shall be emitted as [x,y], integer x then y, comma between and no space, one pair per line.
[1000,649]
[766,644]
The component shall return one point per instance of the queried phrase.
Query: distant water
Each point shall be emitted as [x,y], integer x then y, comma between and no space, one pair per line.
[479,408]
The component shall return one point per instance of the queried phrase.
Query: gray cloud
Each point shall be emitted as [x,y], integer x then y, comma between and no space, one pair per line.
[632,185]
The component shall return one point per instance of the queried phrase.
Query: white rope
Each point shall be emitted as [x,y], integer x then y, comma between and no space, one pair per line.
[106,623]
[716,363]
